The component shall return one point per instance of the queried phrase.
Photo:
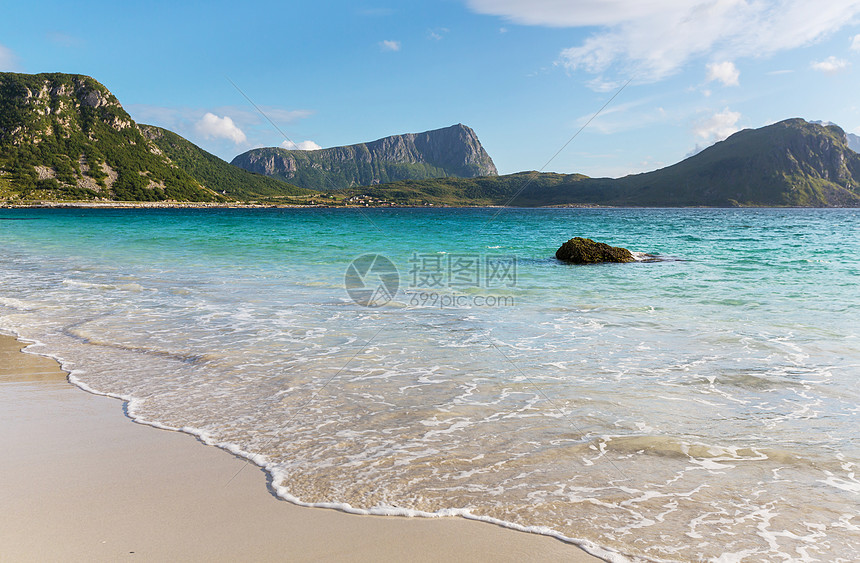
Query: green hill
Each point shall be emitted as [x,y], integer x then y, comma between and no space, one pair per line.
[486,190]
[790,163]
[65,136]
[214,173]
[793,163]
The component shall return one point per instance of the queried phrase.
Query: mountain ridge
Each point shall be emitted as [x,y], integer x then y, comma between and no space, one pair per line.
[790,163]
[67,137]
[453,151]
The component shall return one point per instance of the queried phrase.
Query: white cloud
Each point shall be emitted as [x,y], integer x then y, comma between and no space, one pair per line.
[438,33]
[652,40]
[8,59]
[560,13]
[830,65]
[301,146]
[855,43]
[213,127]
[389,45]
[725,72]
[718,126]
[185,119]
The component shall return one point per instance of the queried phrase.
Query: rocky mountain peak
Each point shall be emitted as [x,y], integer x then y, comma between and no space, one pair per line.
[453,151]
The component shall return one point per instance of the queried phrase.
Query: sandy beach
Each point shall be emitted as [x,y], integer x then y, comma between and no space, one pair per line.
[82,482]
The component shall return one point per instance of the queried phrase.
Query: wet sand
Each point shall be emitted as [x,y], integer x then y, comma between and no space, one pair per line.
[81,482]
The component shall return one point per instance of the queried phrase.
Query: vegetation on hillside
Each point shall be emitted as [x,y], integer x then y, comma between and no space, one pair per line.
[486,190]
[66,137]
[791,163]
[216,174]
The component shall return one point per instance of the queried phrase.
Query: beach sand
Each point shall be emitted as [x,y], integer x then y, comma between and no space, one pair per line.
[81,482]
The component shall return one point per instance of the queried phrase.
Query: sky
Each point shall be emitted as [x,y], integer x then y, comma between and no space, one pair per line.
[598,87]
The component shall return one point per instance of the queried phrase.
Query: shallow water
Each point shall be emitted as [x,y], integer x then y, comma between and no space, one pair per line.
[699,407]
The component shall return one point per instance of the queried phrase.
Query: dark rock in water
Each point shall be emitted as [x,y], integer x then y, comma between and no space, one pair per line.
[580,250]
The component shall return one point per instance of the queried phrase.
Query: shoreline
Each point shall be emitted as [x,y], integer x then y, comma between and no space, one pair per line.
[84,483]
[237,205]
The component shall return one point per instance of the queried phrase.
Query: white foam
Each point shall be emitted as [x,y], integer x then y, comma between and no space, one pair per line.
[852,486]
[742,381]
[17,303]
[132,408]
[135,287]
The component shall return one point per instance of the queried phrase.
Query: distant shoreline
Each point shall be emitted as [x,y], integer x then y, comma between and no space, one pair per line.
[211,205]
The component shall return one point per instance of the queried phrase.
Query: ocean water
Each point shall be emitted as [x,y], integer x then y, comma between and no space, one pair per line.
[701,403]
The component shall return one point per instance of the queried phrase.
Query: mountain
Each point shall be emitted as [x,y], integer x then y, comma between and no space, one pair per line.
[214,173]
[450,152]
[65,136]
[790,163]
[853,140]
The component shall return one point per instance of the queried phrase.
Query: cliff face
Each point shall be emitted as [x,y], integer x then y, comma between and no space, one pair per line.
[450,152]
[65,136]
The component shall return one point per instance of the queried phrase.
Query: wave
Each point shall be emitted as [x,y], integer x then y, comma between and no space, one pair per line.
[132,406]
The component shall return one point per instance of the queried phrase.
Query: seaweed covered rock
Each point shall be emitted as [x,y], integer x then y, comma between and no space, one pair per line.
[580,250]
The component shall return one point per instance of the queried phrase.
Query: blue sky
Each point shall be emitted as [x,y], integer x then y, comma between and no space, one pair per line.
[525,74]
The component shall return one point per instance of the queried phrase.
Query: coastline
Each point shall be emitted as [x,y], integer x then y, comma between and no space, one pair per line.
[82,483]
[237,205]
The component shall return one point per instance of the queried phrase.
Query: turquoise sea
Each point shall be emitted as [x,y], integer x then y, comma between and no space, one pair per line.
[701,403]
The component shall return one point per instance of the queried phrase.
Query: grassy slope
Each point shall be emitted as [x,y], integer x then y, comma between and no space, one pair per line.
[59,121]
[788,163]
[216,174]
[485,190]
